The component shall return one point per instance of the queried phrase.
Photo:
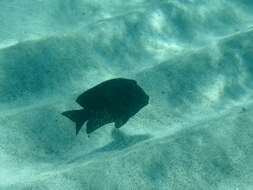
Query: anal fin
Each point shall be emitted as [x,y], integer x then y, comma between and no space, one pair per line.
[120,122]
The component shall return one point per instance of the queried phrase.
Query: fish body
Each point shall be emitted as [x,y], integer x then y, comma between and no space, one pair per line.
[114,100]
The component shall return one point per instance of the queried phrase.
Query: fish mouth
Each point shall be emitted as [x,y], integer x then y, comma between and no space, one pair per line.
[146,99]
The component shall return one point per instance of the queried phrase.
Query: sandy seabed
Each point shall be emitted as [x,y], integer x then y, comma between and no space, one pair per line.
[195,60]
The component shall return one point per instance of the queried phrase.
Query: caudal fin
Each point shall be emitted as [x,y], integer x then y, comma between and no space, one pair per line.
[77,116]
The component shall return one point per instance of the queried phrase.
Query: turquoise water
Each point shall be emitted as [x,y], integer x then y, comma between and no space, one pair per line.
[195,60]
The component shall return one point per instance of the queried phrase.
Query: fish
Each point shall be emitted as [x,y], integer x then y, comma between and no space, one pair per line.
[112,101]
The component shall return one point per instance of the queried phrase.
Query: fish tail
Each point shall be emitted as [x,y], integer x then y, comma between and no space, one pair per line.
[77,116]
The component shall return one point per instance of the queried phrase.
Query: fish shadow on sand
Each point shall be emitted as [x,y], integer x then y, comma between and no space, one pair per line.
[120,141]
